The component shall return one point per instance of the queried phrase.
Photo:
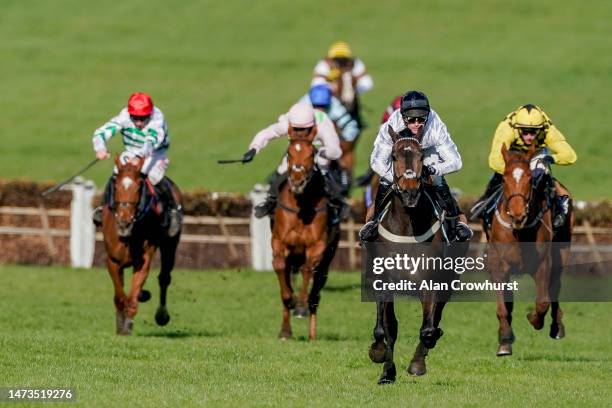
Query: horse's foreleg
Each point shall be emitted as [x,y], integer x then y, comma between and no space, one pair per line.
[390,326]
[313,257]
[378,349]
[320,278]
[280,267]
[141,271]
[542,283]
[561,253]
[119,299]
[505,334]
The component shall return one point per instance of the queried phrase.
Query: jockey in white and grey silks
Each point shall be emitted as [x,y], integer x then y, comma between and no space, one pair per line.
[415,118]
[145,134]
[300,116]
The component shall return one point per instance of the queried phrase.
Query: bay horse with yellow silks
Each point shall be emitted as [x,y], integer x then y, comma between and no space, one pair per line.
[132,233]
[522,234]
[411,217]
[302,237]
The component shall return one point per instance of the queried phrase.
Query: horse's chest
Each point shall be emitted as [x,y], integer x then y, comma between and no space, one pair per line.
[301,235]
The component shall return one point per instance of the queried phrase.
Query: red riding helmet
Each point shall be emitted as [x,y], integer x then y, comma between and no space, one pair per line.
[140,104]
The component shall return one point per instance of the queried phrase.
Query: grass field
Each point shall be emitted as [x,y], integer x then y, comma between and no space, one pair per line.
[222,71]
[220,348]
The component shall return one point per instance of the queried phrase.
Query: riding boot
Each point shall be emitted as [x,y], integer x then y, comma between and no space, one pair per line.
[106,198]
[479,209]
[462,231]
[268,206]
[561,210]
[173,215]
[334,192]
[369,231]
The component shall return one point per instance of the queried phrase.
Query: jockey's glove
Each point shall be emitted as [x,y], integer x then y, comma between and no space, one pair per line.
[429,170]
[248,156]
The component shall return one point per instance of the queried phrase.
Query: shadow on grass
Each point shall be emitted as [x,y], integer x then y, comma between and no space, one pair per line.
[341,288]
[180,334]
[559,358]
[329,337]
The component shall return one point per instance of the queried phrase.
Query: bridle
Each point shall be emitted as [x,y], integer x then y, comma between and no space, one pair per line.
[409,173]
[526,198]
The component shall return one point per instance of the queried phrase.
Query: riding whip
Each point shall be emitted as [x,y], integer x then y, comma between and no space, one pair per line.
[68,180]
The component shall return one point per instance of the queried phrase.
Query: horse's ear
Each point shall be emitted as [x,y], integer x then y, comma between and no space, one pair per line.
[312,134]
[290,133]
[394,135]
[117,161]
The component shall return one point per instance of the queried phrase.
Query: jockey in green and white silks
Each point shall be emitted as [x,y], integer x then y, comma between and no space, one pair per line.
[145,134]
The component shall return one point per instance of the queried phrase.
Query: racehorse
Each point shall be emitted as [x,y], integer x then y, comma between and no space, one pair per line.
[343,87]
[411,217]
[524,215]
[301,236]
[132,232]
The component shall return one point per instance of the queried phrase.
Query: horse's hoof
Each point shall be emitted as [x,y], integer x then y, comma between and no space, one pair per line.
[300,312]
[504,350]
[535,321]
[162,317]
[388,375]
[378,352]
[284,335]
[144,296]
[126,328]
[417,368]
[557,332]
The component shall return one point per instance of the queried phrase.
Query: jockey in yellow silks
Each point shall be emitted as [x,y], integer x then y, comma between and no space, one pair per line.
[519,130]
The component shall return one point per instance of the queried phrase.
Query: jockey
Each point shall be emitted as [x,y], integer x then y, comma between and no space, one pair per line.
[416,119]
[300,118]
[346,75]
[321,98]
[528,125]
[145,134]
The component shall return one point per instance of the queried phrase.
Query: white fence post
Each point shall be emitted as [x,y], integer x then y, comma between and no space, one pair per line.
[261,249]
[82,230]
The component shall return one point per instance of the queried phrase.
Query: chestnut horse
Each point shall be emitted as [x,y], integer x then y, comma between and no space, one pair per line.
[411,217]
[132,233]
[301,236]
[524,215]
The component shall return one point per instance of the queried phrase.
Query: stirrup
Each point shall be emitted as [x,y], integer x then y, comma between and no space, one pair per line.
[559,220]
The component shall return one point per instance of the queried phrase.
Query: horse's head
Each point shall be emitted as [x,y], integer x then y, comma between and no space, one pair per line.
[407,159]
[300,158]
[517,185]
[127,190]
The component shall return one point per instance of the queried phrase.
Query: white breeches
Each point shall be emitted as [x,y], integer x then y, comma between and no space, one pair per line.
[154,166]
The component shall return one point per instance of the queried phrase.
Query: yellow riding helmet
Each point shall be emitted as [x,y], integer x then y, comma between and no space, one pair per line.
[529,116]
[339,49]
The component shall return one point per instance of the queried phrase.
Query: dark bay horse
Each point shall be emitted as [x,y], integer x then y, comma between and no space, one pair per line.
[521,235]
[301,236]
[411,217]
[132,233]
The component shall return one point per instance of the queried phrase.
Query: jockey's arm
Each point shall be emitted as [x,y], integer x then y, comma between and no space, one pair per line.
[273,131]
[104,133]
[364,80]
[326,132]
[450,159]
[346,125]
[504,134]
[320,73]
[562,152]
[155,135]
[380,159]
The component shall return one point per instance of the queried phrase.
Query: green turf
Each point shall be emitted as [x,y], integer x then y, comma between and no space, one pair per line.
[220,348]
[223,70]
